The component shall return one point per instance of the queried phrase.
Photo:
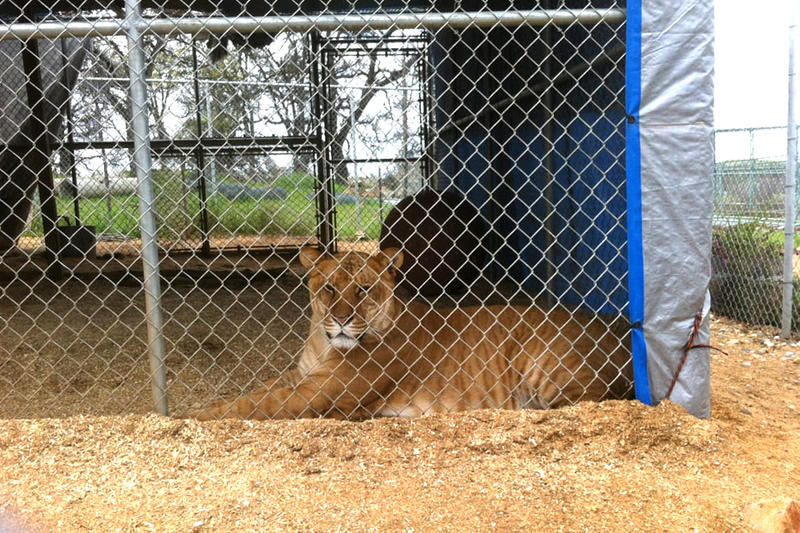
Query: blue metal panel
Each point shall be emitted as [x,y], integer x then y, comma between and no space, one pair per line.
[498,161]
[593,239]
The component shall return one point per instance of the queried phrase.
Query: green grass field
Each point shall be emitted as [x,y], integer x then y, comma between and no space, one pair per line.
[179,213]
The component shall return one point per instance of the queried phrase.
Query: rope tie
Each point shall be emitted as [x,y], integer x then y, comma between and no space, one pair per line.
[689,346]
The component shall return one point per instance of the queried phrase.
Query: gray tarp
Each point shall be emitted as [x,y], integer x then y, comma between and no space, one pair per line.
[676,125]
[61,61]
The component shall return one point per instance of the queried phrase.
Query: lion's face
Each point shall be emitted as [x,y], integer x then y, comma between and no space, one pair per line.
[352,294]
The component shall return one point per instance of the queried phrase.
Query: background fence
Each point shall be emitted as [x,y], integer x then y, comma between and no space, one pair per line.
[235,140]
[748,235]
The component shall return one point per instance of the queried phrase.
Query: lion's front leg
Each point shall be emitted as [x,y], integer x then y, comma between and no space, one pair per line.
[291,395]
[243,407]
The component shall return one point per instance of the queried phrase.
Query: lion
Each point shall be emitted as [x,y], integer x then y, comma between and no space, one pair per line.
[369,353]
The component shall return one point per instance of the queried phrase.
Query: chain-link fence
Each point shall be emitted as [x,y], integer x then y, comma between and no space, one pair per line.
[748,235]
[176,184]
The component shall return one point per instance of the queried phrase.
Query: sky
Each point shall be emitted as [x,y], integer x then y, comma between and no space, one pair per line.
[751,75]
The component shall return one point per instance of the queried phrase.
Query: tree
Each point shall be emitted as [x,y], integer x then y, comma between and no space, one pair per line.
[286,67]
[286,70]
[107,87]
[374,76]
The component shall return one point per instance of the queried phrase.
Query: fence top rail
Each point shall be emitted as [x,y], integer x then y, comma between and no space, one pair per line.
[299,23]
[759,128]
[248,83]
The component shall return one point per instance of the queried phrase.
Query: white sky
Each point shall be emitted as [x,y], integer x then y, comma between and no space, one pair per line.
[751,77]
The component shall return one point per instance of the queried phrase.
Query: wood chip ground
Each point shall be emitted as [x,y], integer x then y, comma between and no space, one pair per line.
[617,466]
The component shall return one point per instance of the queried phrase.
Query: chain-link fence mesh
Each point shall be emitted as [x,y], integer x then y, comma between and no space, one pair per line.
[487,146]
[748,235]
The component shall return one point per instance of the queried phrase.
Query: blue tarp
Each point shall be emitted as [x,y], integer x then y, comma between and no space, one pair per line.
[498,162]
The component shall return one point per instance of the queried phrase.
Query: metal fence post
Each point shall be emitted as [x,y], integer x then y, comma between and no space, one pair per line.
[200,157]
[147,219]
[789,201]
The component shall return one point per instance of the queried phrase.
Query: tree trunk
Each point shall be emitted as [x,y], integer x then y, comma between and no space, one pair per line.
[341,174]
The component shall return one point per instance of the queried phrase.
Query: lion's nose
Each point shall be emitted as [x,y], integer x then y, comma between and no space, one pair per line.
[342,319]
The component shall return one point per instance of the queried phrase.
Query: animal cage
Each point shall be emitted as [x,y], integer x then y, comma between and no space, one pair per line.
[549,155]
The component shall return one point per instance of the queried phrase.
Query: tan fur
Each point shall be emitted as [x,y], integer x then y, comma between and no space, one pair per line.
[408,359]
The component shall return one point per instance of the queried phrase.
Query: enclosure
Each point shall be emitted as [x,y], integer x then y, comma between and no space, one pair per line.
[161,169]
[163,163]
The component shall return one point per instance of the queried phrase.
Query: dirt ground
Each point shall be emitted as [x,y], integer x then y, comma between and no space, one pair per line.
[79,346]
[617,466]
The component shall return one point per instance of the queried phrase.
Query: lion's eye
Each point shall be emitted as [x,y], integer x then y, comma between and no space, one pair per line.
[329,289]
[362,291]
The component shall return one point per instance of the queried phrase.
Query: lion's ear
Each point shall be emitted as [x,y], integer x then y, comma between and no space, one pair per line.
[391,258]
[309,256]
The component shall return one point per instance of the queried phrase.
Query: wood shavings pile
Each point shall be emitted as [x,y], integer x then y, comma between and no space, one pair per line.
[617,466]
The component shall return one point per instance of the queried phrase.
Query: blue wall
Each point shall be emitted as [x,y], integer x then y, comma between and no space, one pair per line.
[498,160]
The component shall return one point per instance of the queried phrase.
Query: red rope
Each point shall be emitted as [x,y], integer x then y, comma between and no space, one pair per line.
[689,346]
